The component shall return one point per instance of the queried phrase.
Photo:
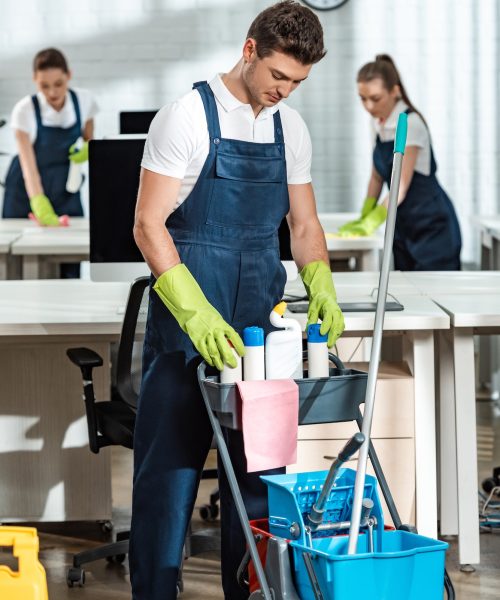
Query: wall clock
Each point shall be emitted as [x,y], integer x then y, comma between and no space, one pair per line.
[325,4]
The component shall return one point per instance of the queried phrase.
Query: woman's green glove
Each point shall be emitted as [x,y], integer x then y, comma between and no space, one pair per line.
[79,153]
[368,205]
[206,328]
[370,223]
[44,211]
[318,282]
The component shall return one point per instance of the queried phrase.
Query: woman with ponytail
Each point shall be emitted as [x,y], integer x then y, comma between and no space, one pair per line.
[427,236]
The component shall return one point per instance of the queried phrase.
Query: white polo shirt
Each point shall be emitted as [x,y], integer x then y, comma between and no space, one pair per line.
[23,114]
[418,135]
[178,142]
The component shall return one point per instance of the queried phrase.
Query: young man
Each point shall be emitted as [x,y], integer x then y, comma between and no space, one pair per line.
[222,166]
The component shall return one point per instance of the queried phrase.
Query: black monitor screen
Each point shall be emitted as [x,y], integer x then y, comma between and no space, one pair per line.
[114,168]
[136,121]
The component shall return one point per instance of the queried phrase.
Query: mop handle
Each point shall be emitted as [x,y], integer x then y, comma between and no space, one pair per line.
[359,485]
[315,517]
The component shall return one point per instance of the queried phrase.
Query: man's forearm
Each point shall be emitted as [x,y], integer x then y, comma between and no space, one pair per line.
[157,247]
[308,243]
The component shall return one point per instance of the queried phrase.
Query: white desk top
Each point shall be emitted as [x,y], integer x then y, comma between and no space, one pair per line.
[52,241]
[431,283]
[488,224]
[6,240]
[471,310]
[332,221]
[20,225]
[61,307]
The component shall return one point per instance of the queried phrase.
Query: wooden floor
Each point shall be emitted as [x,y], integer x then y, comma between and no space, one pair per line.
[202,576]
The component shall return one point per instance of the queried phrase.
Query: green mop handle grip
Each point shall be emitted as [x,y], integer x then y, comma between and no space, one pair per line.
[401,131]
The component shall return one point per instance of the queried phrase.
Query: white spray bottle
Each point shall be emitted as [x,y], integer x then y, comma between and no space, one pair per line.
[283,348]
[75,175]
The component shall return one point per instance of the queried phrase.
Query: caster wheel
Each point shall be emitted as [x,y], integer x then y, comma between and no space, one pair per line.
[209,512]
[107,526]
[75,576]
[488,484]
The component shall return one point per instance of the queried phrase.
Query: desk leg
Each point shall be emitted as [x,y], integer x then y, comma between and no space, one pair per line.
[447,437]
[369,260]
[3,267]
[421,360]
[31,267]
[465,399]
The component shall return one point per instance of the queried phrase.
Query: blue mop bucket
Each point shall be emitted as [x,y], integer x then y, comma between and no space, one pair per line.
[408,567]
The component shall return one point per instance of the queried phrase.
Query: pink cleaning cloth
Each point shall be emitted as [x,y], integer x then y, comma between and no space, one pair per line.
[270,419]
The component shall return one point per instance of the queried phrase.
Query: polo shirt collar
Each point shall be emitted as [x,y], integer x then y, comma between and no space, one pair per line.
[230,102]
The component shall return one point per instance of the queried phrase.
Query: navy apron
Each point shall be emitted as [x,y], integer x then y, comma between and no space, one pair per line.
[427,235]
[226,234]
[51,151]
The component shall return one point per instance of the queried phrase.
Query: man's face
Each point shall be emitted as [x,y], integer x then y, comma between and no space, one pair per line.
[53,83]
[272,78]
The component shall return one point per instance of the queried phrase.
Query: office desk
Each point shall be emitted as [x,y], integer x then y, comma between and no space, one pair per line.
[489,231]
[43,248]
[6,261]
[21,225]
[470,314]
[416,324]
[366,250]
[47,472]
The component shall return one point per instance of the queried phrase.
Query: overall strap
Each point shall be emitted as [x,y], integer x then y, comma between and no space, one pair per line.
[38,114]
[278,127]
[208,99]
[76,104]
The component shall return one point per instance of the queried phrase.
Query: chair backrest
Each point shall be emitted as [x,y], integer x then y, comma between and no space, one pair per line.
[129,360]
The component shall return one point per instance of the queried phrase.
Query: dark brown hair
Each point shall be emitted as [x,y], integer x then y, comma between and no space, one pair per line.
[50,58]
[384,68]
[290,28]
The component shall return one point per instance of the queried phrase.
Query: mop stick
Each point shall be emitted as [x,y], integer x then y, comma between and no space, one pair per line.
[359,486]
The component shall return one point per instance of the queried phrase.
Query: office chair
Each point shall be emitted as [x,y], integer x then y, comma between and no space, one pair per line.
[111,422]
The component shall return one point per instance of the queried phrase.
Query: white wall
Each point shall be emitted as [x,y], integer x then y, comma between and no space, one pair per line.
[141,54]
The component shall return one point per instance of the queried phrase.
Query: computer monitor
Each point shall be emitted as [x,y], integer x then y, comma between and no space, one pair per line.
[136,121]
[114,167]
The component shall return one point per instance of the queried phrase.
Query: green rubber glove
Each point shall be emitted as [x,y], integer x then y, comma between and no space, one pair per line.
[318,282]
[44,211]
[368,205]
[79,153]
[206,328]
[370,223]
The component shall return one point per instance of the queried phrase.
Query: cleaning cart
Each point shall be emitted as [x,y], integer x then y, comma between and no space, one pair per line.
[304,545]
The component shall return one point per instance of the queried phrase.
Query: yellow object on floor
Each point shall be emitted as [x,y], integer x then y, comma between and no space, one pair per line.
[28,582]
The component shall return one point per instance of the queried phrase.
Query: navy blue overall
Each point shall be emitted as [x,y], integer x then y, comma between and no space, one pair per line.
[51,151]
[226,234]
[427,235]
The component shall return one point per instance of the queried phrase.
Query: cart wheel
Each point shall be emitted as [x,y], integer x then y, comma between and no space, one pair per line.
[488,484]
[107,526]
[209,512]
[75,576]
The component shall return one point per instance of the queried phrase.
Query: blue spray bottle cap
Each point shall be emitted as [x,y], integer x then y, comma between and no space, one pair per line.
[314,335]
[253,336]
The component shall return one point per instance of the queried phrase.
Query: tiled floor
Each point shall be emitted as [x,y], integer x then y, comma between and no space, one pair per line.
[201,576]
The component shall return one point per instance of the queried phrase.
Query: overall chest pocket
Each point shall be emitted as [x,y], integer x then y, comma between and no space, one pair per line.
[248,191]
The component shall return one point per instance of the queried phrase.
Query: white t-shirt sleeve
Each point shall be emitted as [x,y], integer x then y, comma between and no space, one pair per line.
[418,134]
[171,141]
[299,155]
[23,116]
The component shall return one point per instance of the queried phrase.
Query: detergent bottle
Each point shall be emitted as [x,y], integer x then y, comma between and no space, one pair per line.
[232,374]
[317,352]
[253,361]
[284,347]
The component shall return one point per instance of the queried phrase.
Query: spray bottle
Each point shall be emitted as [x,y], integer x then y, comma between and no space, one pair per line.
[253,361]
[317,352]
[232,374]
[283,348]
[75,176]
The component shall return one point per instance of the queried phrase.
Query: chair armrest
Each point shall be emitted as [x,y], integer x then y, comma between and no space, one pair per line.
[84,357]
